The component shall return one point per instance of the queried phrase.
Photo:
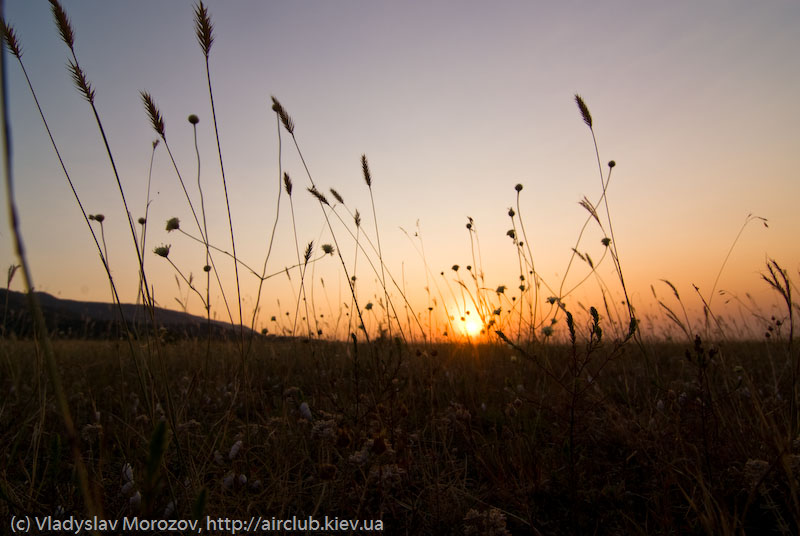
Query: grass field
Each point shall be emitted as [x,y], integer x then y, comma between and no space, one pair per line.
[452,439]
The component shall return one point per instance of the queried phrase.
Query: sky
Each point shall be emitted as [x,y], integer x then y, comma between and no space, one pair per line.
[453,103]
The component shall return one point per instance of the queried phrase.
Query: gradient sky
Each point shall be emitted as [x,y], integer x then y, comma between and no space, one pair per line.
[453,103]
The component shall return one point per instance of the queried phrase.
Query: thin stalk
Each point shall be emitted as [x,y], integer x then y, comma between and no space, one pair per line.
[289,126]
[193,119]
[11,41]
[272,236]
[368,179]
[204,30]
[33,301]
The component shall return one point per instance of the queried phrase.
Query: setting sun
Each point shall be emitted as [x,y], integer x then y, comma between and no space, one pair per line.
[472,327]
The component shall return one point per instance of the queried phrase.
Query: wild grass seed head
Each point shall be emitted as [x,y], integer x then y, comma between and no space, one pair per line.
[365,169]
[204,29]
[288,124]
[587,117]
[63,23]
[81,82]
[153,114]
[287,184]
[10,39]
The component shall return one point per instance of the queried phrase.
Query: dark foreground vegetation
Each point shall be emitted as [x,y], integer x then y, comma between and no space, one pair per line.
[448,439]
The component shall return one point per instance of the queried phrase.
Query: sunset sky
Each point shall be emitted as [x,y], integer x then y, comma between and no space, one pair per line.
[453,103]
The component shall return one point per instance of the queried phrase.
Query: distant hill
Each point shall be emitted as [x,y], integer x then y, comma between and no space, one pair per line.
[73,319]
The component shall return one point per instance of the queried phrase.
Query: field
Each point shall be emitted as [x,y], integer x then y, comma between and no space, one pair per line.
[441,404]
[434,439]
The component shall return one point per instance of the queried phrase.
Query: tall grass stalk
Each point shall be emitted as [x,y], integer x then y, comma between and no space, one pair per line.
[287,184]
[205,36]
[288,124]
[360,246]
[587,118]
[428,276]
[85,89]
[779,282]
[40,327]
[143,220]
[193,120]
[11,41]
[272,235]
[157,122]
[750,218]
[368,180]
[536,279]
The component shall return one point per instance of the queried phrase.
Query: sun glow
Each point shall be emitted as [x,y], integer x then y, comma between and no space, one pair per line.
[472,327]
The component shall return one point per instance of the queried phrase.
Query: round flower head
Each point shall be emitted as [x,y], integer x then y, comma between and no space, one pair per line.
[173,223]
[193,119]
[612,164]
[142,221]
[162,251]
[98,218]
[518,187]
[206,268]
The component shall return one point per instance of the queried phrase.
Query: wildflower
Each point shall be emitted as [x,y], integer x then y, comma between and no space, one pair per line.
[206,268]
[235,450]
[455,267]
[97,217]
[547,331]
[501,289]
[606,241]
[127,472]
[193,119]
[173,224]
[611,164]
[511,233]
[327,249]
[511,213]
[127,488]
[142,221]
[162,251]
[518,187]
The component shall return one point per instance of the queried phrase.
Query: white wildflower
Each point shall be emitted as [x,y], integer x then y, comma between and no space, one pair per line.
[305,411]
[235,450]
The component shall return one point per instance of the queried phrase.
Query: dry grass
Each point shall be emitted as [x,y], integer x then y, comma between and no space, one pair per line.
[456,429]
